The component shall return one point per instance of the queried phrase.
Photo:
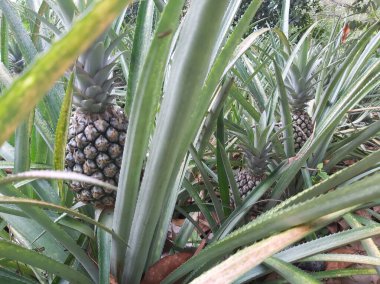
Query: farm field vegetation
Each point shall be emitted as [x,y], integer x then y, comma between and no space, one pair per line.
[189,141]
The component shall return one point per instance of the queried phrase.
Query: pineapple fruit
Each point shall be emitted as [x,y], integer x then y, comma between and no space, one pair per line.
[257,146]
[300,84]
[97,127]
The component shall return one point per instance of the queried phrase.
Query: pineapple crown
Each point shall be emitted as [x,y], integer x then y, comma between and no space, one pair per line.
[94,79]
[300,79]
[256,144]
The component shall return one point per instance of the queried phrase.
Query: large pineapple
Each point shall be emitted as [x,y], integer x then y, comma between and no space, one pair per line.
[97,127]
[256,145]
[300,83]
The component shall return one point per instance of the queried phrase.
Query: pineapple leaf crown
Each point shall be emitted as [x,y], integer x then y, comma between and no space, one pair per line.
[94,80]
[256,143]
[301,78]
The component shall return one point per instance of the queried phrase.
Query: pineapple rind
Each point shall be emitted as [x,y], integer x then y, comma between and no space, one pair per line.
[95,148]
[302,128]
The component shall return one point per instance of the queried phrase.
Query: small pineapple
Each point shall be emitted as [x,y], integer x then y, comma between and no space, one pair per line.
[300,82]
[257,146]
[97,127]
[16,60]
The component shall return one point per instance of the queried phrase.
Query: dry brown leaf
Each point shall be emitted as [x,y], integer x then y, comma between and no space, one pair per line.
[162,268]
[334,281]
[113,280]
[364,214]
[349,162]
[333,228]
[376,209]
[332,265]
[358,246]
[343,225]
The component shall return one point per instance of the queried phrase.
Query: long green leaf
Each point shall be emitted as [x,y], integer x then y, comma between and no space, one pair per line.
[229,174]
[35,259]
[369,244]
[160,4]
[210,189]
[62,131]
[348,272]
[4,42]
[334,180]
[31,175]
[44,130]
[316,246]
[68,9]
[140,47]
[241,262]
[211,119]
[15,200]
[222,63]
[22,147]
[10,277]
[174,131]
[291,273]
[57,232]
[141,122]
[245,104]
[104,247]
[268,224]
[285,113]
[160,235]
[222,171]
[361,137]
[343,257]
[193,193]
[285,17]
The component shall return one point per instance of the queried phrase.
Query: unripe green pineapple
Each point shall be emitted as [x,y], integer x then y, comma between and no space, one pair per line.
[300,84]
[97,127]
[257,146]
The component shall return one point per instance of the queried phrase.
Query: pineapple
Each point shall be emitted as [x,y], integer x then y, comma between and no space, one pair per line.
[16,60]
[97,127]
[299,83]
[257,146]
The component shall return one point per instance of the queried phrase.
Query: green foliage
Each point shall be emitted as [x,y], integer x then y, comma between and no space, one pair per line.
[320,174]
[365,13]
[364,6]
[270,12]
[189,112]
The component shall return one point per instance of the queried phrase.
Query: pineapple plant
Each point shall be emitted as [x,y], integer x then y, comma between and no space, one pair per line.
[97,127]
[256,145]
[300,84]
